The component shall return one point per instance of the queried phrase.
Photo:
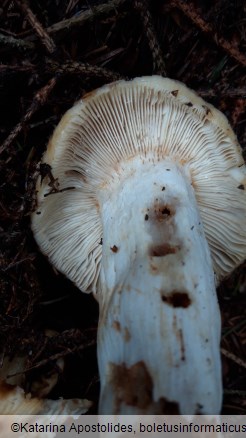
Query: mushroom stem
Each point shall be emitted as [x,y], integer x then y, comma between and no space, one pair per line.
[159,328]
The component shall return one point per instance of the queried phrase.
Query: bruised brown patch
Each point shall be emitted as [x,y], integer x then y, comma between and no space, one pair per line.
[133,386]
[168,407]
[176,299]
[162,211]
[182,345]
[114,248]
[116,325]
[153,268]
[127,334]
[199,409]
[180,160]
[162,250]
[180,338]
[174,92]
[207,110]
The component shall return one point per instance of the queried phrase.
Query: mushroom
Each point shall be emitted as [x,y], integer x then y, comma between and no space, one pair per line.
[143,204]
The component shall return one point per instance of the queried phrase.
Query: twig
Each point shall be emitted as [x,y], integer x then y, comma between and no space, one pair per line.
[51,119]
[13,264]
[233,93]
[84,17]
[16,43]
[157,55]
[233,329]
[71,67]
[229,48]
[238,392]
[233,357]
[38,100]
[37,26]
[6,70]
[68,67]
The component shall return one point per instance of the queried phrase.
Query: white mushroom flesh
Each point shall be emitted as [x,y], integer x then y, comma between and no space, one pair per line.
[150,202]
[159,328]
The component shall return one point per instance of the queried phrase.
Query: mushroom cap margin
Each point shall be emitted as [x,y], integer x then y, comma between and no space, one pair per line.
[69,221]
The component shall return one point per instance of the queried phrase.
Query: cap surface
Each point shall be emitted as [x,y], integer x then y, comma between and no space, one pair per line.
[148,116]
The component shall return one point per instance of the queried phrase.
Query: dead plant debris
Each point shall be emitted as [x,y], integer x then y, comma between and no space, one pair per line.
[52,53]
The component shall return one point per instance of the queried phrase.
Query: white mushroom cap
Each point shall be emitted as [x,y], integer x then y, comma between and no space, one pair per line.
[148,115]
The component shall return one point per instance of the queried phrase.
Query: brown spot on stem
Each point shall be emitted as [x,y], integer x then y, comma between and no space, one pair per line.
[116,325]
[114,248]
[169,407]
[182,346]
[127,334]
[162,211]
[241,187]
[133,386]
[180,338]
[199,409]
[153,268]
[176,299]
[162,250]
